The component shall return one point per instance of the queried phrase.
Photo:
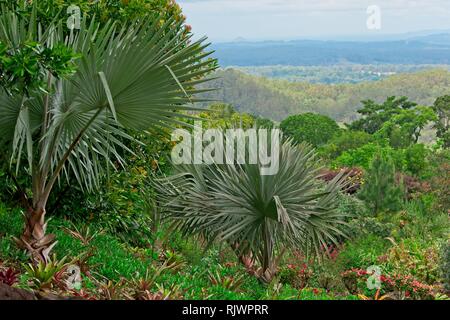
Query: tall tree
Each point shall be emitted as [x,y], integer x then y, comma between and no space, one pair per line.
[442,108]
[405,127]
[381,191]
[313,128]
[374,115]
[72,120]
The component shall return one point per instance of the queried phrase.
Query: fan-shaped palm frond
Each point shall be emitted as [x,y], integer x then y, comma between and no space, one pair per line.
[261,213]
[135,77]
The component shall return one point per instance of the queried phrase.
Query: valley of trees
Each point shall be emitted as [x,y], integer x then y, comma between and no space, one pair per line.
[94,207]
[277,99]
[341,73]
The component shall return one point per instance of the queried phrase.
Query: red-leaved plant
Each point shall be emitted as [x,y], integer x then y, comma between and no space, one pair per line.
[396,284]
[8,276]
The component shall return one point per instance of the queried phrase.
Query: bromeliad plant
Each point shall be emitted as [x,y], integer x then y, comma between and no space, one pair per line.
[43,274]
[131,77]
[84,233]
[229,282]
[263,214]
[8,276]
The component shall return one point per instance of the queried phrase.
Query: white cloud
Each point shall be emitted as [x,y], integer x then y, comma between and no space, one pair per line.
[315,5]
[228,19]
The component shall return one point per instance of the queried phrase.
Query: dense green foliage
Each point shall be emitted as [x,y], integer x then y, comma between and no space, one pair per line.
[224,116]
[98,109]
[262,215]
[345,140]
[74,117]
[314,129]
[380,190]
[442,108]
[397,119]
[278,99]
[121,11]
[376,115]
[340,73]
[446,265]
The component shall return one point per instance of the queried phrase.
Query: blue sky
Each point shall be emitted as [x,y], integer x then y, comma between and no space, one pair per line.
[225,20]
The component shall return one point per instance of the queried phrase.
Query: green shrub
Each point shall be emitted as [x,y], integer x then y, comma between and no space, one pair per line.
[362,252]
[360,219]
[416,159]
[344,141]
[416,258]
[370,225]
[419,220]
[312,128]
[445,265]
[351,206]
[380,190]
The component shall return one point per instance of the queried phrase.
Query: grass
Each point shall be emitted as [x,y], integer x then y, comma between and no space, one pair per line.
[114,260]
[410,241]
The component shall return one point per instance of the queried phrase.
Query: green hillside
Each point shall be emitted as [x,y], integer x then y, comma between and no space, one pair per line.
[277,99]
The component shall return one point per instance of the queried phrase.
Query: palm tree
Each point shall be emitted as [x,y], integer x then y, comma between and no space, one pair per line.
[263,214]
[134,77]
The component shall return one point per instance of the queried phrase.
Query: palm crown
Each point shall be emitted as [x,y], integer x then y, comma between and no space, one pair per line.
[260,213]
[135,77]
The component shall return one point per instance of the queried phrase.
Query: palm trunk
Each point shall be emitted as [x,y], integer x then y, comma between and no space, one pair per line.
[267,271]
[34,240]
[267,252]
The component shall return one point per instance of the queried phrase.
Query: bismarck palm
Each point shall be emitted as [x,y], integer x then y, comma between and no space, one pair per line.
[128,78]
[258,214]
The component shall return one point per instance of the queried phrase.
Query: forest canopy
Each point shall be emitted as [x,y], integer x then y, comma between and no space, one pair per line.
[278,99]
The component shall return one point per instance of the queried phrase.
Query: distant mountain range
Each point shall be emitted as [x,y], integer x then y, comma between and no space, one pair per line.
[415,49]
[438,39]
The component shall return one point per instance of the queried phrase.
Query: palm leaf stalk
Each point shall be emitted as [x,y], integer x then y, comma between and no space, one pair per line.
[263,214]
[135,77]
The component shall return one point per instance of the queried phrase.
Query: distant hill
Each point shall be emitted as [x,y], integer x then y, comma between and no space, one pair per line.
[430,49]
[277,99]
[437,39]
[342,73]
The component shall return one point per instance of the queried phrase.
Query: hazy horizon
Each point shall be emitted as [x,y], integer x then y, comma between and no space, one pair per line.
[349,37]
[259,20]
